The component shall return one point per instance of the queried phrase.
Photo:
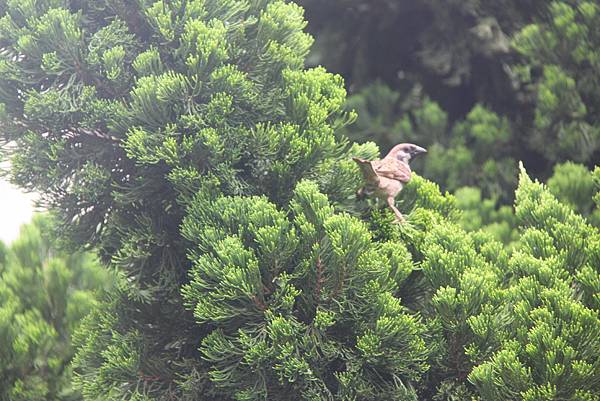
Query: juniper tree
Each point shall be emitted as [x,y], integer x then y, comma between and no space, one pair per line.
[188,145]
[178,139]
[508,323]
[551,351]
[563,47]
[44,294]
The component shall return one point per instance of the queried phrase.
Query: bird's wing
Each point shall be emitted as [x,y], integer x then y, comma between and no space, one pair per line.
[393,168]
[366,168]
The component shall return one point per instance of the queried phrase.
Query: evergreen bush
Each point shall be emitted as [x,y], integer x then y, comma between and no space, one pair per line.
[45,292]
[186,143]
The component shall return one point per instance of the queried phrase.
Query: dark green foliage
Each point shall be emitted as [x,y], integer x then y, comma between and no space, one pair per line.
[456,50]
[478,152]
[573,184]
[44,294]
[563,45]
[485,214]
[483,84]
[187,144]
[390,117]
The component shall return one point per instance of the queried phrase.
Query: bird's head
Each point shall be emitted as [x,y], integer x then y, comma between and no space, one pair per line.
[406,151]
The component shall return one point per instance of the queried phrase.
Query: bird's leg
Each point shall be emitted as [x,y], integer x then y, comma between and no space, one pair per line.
[399,216]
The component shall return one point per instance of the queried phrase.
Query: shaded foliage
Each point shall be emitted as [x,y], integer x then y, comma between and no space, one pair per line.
[485,83]
[44,295]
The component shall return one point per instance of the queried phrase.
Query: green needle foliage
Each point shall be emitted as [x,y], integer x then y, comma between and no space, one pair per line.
[574,185]
[551,351]
[186,143]
[291,300]
[520,323]
[564,46]
[44,294]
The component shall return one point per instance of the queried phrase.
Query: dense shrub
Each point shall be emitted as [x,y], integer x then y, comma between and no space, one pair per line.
[44,295]
[187,144]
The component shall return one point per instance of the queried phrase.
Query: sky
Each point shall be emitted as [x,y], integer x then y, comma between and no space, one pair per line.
[16,208]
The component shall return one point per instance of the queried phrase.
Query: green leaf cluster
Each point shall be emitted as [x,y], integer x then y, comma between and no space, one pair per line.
[563,46]
[186,143]
[45,292]
[303,305]
[518,323]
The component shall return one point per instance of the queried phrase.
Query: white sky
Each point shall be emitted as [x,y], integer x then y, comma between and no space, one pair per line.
[16,208]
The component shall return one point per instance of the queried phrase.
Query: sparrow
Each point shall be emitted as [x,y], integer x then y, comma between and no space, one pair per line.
[385,178]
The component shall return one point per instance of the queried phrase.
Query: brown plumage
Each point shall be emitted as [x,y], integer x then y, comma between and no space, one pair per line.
[385,178]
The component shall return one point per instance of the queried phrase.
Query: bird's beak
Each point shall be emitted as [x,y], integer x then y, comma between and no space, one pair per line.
[418,150]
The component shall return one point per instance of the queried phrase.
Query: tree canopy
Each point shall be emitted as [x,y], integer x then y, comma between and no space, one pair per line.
[187,144]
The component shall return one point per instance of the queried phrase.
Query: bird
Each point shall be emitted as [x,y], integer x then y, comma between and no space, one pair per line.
[385,178]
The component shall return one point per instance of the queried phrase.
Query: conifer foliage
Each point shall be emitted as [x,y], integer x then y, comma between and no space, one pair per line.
[185,141]
[134,118]
[44,294]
